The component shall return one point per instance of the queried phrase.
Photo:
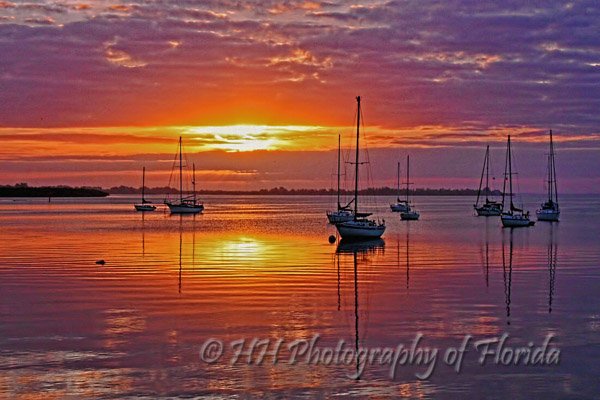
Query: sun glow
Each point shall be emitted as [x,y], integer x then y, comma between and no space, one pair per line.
[233,138]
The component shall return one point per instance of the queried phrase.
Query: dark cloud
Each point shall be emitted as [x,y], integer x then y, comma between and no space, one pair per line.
[420,62]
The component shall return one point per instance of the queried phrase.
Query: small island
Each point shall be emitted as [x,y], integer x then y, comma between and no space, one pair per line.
[24,190]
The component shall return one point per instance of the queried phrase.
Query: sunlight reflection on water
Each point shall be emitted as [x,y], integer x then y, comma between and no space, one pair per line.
[262,267]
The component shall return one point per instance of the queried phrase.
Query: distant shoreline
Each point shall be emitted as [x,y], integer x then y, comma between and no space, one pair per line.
[281,191]
[24,190]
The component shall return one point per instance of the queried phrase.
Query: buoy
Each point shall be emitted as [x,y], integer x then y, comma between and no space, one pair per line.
[331,239]
[100,262]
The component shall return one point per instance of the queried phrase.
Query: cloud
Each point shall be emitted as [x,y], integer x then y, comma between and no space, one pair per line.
[119,57]
[40,21]
[120,8]
[432,74]
[417,62]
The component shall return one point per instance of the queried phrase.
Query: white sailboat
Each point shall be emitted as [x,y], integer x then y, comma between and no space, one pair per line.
[550,210]
[145,205]
[343,213]
[490,207]
[188,204]
[410,214]
[360,227]
[514,217]
[400,205]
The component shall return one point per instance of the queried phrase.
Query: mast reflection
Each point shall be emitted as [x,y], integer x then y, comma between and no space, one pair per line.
[143,235]
[507,273]
[486,254]
[355,248]
[552,253]
[180,248]
[407,256]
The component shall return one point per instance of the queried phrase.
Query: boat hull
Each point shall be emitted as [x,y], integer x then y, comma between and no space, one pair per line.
[185,208]
[337,217]
[488,211]
[353,230]
[399,207]
[144,207]
[516,221]
[547,215]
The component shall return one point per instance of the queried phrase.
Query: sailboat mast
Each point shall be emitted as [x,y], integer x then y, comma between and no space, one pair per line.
[338,170]
[180,172]
[505,173]
[356,164]
[510,174]
[194,181]
[487,174]
[407,176]
[143,182]
[553,168]
[549,170]
[398,175]
[481,178]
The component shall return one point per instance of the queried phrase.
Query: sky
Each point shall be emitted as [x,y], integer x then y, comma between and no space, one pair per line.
[91,91]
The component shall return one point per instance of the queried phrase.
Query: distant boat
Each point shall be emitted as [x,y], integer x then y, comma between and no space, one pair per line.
[188,204]
[490,207]
[514,217]
[145,205]
[401,205]
[360,227]
[550,210]
[410,214]
[343,213]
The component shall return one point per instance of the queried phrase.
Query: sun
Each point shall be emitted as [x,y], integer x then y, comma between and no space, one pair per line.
[245,137]
[244,143]
[233,138]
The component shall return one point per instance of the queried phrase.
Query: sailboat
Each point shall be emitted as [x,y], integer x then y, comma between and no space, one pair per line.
[360,227]
[188,204]
[410,214]
[401,205]
[514,217]
[343,213]
[490,207]
[550,210]
[145,205]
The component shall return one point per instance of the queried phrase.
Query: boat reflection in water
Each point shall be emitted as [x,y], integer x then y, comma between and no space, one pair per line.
[143,235]
[406,254]
[193,245]
[507,269]
[485,254]
[507,273]
[354,248]
[360,246]
[552,256]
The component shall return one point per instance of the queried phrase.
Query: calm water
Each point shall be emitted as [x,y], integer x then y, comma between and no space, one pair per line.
[262,267]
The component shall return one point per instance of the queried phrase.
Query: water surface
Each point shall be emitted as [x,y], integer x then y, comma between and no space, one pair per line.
[262,267]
